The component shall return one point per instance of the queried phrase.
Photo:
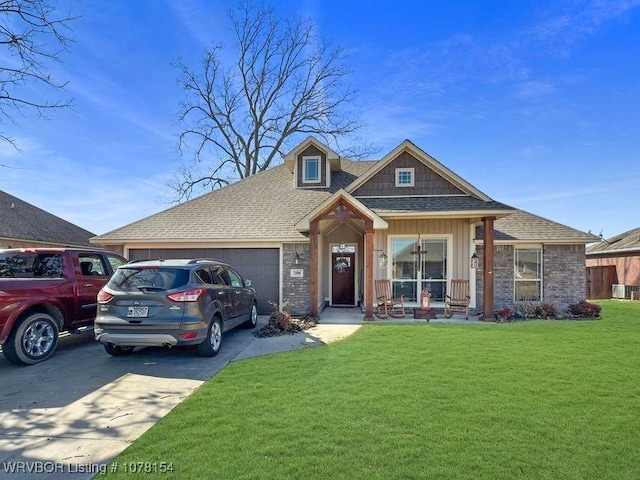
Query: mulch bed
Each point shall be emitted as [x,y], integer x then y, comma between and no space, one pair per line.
[282,323]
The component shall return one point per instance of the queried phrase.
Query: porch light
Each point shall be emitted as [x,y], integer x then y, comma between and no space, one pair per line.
[296,257]
[474,260]
[383,260]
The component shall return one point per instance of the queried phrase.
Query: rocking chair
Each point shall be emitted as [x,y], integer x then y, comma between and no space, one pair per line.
[458,301]
[387,306]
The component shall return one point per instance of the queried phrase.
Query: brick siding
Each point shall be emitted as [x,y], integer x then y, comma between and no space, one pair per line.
[627,266]
[564,275]
[295,291]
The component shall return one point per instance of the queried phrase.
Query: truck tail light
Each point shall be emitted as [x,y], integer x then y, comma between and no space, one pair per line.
[104,297]
[191,295]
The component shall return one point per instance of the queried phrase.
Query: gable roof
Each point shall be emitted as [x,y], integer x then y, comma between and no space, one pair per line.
[428,160]
[523,227]
[332,157]
[625,242]
[378,223]
[21,221]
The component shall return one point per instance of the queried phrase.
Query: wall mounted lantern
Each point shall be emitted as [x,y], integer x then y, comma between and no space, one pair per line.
[382,260]
[474,260]
[296,258]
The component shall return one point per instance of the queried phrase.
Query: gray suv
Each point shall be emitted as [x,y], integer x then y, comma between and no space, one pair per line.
[171,303]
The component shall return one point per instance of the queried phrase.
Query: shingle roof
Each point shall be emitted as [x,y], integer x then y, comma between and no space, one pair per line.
[432,204]
[627,241]
[265,206]
[525,226]
[20,220]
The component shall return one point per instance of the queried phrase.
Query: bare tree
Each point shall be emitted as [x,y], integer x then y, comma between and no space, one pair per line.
[286,83]
[32,35]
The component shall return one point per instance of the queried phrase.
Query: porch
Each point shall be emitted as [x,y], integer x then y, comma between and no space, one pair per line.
[354,316]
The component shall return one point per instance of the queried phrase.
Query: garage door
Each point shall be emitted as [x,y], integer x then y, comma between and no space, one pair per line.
[260,265]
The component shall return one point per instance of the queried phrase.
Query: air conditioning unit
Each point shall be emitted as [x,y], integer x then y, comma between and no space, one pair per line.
[624,291]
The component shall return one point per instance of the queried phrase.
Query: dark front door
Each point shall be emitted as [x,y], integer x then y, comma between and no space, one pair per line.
[343,278]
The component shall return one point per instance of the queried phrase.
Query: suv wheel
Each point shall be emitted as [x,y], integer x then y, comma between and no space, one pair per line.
[253,320]
[211,346]
[33,340]
[118,350]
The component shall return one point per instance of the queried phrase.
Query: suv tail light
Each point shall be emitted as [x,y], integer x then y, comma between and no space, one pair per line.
[104,297]
[187,296]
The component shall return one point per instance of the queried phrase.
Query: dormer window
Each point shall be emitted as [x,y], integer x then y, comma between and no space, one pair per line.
[405,177]
[311,170]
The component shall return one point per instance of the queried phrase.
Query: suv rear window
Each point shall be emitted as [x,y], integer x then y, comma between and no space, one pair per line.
[134,278]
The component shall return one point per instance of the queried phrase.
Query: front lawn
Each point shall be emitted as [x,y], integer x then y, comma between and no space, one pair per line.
[534,400]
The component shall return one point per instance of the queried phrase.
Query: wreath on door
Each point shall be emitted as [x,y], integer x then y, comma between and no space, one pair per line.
[341,265]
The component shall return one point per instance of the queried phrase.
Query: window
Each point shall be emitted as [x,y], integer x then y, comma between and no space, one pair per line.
[527,272]
[115,261]
[236,281]
[91,264]
[405,177]
[416,267]
[311,170]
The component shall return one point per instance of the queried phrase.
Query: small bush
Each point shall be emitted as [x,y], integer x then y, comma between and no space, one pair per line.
[585,309]
[504,314]
[525,310]
[546,310]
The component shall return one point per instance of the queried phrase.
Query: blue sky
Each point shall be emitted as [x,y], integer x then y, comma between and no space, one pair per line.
[536,103]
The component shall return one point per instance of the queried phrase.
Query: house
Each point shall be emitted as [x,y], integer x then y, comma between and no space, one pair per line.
[615,261]
[317,230]
[25,225]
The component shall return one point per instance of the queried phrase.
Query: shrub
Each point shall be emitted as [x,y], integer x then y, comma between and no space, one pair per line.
[504,313]
[546,310]
[585,309]
[525,310]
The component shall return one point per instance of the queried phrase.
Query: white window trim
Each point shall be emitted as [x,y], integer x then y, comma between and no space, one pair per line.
[305,180]
[541,280]
[423,236]
[399,171]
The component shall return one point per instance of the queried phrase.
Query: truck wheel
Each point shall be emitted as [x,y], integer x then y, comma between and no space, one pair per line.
[32,340]
[118,350]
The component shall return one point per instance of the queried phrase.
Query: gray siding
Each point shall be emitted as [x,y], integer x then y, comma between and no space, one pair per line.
[427,181]
[260,265]
[312,151]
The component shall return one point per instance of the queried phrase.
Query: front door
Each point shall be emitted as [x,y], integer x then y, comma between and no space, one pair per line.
[343,278]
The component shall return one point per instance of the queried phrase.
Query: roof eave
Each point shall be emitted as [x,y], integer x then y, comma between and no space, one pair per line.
[471,214]
[614,251]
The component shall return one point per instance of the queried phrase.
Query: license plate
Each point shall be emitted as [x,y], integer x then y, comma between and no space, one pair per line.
[137,312]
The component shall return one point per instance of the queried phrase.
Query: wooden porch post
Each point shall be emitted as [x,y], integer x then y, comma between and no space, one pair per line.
[487,270]
[368,270]
[313,269]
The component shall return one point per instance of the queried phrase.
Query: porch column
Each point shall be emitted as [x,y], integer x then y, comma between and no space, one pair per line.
[487,270]
[313,269]
[368,270]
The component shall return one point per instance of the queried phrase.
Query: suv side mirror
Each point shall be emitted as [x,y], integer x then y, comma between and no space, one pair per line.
[247,283]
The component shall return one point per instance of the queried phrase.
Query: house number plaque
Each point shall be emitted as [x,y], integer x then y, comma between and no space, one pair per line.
[296,273]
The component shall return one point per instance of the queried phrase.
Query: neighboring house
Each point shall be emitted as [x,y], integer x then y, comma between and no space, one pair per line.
[615,261]
[24,225]
[319,229]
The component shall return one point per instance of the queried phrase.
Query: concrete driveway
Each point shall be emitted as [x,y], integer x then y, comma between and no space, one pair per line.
[69,416]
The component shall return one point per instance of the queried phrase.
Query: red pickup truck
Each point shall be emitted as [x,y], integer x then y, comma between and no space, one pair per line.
[44,291]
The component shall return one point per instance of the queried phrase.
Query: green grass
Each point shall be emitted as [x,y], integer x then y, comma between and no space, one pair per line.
[533,400]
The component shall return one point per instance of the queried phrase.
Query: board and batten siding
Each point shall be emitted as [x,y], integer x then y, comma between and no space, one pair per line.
[459,229]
